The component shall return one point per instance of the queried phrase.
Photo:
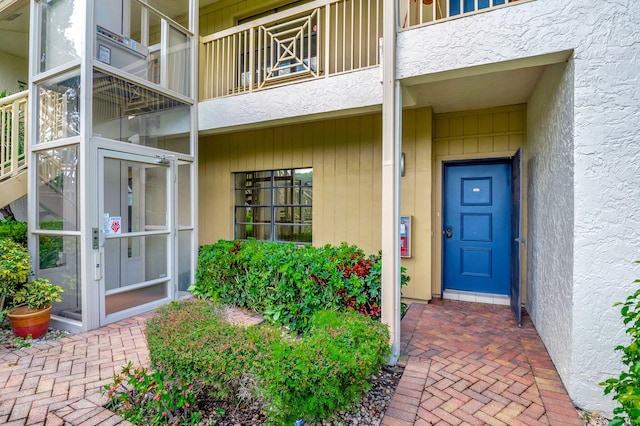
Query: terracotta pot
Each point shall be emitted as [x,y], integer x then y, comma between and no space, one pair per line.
[26,321]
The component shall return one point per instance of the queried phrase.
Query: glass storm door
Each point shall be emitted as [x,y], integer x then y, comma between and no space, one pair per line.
[135,244]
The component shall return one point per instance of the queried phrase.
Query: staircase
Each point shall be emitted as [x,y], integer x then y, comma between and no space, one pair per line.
[13,147]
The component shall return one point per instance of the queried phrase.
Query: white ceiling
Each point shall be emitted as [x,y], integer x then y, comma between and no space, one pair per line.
[477,92]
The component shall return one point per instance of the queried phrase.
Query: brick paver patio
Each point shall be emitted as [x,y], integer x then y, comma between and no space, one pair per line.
[469,364]
[466,363]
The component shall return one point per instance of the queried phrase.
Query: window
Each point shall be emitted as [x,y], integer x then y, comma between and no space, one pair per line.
[274,205]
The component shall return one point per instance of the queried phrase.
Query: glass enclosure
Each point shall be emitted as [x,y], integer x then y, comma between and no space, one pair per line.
[59,262]
[58,251]
[59,108]
[58,189]
[118,233]
[185,227]
[145,42]
[62,32]
[128,112]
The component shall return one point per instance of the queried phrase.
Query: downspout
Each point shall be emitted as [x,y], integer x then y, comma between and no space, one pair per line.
[391,149]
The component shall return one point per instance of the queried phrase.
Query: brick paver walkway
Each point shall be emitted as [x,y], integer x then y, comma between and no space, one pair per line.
[58,383]
[468,364]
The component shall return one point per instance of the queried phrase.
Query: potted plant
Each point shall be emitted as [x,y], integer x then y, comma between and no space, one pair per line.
[33,316]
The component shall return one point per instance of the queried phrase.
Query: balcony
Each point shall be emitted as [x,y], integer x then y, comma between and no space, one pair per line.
[311,41]
[314,40]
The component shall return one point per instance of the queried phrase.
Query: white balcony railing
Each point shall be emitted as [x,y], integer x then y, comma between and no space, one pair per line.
[419,12]
[13,134]
[314,40]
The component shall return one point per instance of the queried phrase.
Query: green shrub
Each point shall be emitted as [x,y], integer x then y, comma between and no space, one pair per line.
[145,397]
[626,387]
[309,376]
[289,283]
[14,230]
[190,340]
[15,268]
[314,377]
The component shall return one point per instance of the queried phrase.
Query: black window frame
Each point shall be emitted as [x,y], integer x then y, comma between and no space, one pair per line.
[294,212]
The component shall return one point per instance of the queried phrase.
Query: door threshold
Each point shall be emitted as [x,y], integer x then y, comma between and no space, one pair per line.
[470,296]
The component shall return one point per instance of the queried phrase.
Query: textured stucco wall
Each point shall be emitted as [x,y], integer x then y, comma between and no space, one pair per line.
[325,97]
[550,212]
[12,69]
[607,189]
[603,37]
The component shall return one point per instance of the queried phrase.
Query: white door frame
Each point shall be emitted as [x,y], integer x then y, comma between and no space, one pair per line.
[169,230]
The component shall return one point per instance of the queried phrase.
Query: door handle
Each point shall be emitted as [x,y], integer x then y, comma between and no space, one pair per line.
[448,232]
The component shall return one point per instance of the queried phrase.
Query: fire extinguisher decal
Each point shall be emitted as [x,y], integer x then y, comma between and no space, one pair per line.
[405,236]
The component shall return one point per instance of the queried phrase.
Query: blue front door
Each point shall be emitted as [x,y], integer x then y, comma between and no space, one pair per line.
[477,227]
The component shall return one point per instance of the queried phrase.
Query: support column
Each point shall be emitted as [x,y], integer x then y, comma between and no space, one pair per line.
[391,148]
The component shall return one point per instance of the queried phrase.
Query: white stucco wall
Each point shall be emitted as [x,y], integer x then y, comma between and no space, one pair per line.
[607,190]
[12,69]
[550,213]
[606,160]
[360,91]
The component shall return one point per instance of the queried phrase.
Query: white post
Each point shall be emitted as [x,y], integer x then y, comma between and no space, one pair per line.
[391,147]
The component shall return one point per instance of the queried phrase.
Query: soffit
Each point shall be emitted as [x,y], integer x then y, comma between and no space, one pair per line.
[475,92]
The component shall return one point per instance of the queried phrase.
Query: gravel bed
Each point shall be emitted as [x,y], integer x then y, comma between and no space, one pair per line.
[369,411]
[592,419]
[9,341]
[371,408]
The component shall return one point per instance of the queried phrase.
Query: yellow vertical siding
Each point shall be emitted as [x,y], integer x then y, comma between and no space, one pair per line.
[342,154]
[491,133]
[416,199]
[346,158]
[225,14]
